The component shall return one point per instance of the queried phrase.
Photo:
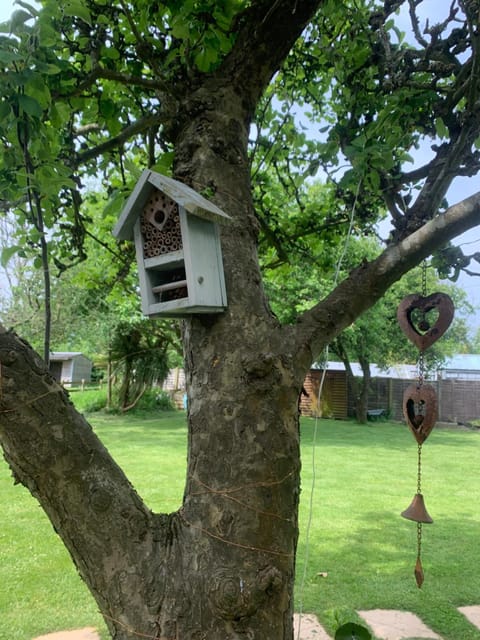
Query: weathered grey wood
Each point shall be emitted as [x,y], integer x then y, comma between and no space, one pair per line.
[189,199]
[200,257]
[169,286]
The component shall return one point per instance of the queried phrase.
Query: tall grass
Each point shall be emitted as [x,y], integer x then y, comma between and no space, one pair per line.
[361,552]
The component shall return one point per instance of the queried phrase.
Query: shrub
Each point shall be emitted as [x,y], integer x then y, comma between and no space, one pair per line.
[154,400]
[90,400]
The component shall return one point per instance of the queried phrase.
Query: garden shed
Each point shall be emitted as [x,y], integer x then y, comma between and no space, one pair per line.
[337,401]
[456,383]
[463,366]
[70,367]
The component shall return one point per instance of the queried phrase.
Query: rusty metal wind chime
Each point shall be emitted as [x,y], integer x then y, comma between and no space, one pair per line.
[420,407]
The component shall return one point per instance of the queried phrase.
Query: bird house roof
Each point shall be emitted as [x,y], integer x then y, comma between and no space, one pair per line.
[184,195]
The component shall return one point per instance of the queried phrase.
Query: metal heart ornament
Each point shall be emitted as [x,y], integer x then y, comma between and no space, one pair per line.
[439,302]
[420,410]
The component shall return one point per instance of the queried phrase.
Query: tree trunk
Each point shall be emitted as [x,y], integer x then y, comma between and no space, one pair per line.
[222,567]
[241,495]
[363,391]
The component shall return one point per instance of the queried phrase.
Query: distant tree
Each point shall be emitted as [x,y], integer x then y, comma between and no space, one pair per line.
[94,308]
[475,345]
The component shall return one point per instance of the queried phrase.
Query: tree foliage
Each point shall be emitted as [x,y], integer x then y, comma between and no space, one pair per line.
[94,89]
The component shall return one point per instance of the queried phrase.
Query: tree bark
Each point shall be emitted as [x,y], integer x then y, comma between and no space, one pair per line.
[359,388]
[364,388]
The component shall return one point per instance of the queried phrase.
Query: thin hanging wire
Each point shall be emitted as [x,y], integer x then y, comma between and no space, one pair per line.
[312,492]
[315,429]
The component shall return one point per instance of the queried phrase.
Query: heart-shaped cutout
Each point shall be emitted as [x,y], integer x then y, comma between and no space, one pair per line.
[420,332]
[420,410]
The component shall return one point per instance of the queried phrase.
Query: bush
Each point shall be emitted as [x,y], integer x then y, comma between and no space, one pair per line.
[154,400]
[90,400]
[164,401]
[94,400]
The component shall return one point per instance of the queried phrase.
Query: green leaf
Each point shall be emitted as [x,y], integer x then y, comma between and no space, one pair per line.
[180,30]
[38,90]
[30,106]
[441,128]
[374,179]
[164,164]
[114,205]
[52,69]
[77,9]
[7,253]
[107,108]
[6,57]
[111,52]
[5,110]
[205,58]
[351,631]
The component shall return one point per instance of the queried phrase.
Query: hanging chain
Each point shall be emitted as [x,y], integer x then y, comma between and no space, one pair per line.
[424,278]
[419,469]
[419,540]
[421,374]
[424,325]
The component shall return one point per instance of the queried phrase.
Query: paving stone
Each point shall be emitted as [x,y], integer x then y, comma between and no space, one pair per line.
[386,624]
[472,614]
[390,624]
[310,628]
[89,633]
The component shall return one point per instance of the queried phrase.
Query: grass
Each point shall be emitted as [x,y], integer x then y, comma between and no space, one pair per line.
[361,552]
[365,476]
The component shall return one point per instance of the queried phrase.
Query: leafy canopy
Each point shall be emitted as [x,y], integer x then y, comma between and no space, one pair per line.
[91,92]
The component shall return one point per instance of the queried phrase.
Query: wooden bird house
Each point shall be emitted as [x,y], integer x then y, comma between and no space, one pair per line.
[177,246]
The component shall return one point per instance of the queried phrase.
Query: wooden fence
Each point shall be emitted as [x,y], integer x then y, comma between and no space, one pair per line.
[458,400]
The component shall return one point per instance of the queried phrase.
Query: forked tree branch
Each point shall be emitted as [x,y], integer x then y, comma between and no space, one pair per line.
[367,283]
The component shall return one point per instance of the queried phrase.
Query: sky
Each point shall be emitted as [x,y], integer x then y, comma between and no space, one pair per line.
[460,189]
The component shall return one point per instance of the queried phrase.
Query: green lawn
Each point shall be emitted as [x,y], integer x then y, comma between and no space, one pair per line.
[365,476]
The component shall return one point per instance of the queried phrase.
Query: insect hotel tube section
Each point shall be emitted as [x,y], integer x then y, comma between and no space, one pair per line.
[162,237]
[178,249]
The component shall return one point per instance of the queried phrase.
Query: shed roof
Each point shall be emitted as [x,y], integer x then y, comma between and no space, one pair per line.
[181,193]
[462,362]
[65,355]
[400,371]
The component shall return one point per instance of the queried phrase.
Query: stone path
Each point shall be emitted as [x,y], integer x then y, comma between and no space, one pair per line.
[472,614]
[395,625]
[386,624]
[89,633]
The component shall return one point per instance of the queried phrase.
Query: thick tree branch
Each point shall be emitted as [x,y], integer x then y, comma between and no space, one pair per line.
[267,33]
[54,452]
[368,282]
